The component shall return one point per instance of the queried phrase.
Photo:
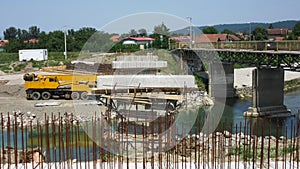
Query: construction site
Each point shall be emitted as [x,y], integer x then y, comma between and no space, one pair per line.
[136,91]
[133,112]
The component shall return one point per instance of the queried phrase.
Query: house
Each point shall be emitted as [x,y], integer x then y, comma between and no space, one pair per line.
[115,38]
[278,33]
[137,40]
[242,36]
[31,41]
[216,38]
[178,39]
[3,43]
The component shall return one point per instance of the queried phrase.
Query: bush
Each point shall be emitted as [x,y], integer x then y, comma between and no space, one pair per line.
[201,83]
[38,64]
[20,67]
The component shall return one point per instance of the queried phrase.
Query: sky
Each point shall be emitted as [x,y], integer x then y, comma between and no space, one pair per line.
[50,15]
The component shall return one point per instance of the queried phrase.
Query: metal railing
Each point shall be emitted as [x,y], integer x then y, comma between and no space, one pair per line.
[286,45]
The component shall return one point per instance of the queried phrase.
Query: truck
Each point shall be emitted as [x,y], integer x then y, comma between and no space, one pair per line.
[33,54]
[46,86]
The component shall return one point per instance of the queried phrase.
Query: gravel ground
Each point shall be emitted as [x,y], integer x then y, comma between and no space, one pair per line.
[13,99]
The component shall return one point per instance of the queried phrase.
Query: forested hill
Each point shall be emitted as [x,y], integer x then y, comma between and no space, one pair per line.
[243,27]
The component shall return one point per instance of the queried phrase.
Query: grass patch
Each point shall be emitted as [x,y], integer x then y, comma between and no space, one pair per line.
[19,67]
[8,57]
[9,62]
[59,56]
[5,68]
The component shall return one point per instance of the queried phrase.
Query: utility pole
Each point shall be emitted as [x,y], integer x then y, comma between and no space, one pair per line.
[65,37]
[249,31]
[191,34]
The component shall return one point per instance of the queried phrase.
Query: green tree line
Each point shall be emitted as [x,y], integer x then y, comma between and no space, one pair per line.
[85,38]
[53,41]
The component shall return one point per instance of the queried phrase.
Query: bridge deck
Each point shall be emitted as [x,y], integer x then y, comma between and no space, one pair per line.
[286,59]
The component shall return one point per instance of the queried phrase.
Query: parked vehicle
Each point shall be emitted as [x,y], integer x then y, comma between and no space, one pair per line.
[68,86]
[33,54]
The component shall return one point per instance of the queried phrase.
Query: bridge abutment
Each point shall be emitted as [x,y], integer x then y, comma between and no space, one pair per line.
[221,79]
[268,94]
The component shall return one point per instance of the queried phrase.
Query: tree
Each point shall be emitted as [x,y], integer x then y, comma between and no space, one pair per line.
[291,36]
[34,32]
[296,29]
[55,41]
[227,31]
[10,33]
[71,32]
[210,30]
[133,33]
[161,30]
[142,32]
[23,34]
[43,38]
[14,45]
[160,42]
[260,33]
[271,26]
[85,33]
[82,36]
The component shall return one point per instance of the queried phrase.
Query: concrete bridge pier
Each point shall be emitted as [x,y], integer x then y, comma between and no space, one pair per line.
[268,94]
[221,78]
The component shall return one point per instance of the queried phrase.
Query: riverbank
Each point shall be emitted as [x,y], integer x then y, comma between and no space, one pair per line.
[243,82]
[246,92]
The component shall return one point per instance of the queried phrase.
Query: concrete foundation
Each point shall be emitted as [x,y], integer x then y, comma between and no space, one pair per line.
[268,94]
[221,79]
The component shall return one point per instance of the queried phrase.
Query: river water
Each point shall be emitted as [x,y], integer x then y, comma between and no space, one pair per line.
[233,120]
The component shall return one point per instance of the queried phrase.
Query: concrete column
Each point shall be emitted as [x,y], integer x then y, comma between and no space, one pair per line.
[268,94]
[221,79]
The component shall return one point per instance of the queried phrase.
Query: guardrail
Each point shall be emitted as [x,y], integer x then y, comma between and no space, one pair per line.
[286,45]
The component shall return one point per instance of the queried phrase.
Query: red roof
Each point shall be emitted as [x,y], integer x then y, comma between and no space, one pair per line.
[215,38]
[181,38]
[141,38]
[278,31]
[31,41]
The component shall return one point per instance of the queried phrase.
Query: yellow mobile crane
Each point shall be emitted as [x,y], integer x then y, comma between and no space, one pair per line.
[56,85]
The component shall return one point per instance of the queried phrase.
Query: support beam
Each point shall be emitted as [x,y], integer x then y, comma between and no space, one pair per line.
[221,79]
[268,94]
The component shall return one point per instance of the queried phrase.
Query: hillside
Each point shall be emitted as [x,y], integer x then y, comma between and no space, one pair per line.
[240,27]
